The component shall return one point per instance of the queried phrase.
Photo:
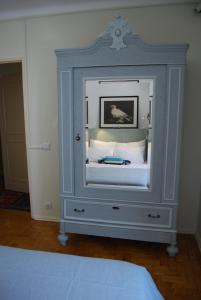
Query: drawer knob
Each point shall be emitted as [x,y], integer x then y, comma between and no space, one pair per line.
[154,216]
[79,210]
[115,207]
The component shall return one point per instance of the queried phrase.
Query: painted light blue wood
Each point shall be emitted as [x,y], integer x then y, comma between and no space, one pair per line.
[115,214]
[117,30]
[173,138]
[66,130]
[117,55]
[136,53]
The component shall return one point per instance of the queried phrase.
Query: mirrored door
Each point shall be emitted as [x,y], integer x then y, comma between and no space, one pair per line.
[114,127]
[118,132]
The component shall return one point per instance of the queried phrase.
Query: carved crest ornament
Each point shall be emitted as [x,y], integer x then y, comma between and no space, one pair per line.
[117,30]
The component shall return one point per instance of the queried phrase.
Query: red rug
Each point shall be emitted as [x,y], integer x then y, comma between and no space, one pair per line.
[14,200]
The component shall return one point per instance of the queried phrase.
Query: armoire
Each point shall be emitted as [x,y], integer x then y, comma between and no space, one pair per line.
[117,206]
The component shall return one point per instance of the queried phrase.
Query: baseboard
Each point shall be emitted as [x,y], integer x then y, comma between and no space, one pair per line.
[198,239]
[186,231]
[45,218]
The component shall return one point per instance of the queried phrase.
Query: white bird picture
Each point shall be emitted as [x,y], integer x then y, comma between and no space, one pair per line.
[119,115]
[119,112]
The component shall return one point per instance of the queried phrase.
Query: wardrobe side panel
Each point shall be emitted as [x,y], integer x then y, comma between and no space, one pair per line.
[173,132]
[66,131]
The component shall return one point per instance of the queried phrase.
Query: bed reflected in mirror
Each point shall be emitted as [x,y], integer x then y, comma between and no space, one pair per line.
[118,132]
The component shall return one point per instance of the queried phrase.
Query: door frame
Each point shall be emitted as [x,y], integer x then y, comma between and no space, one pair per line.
[22,60]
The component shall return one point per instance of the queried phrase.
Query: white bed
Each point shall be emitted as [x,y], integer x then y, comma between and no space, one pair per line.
[132,174]
[36,275]
[137,173]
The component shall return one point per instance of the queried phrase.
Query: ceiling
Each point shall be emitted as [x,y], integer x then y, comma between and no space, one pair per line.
[10,9]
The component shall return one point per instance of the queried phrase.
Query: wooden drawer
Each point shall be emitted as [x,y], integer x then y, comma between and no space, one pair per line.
[118,213]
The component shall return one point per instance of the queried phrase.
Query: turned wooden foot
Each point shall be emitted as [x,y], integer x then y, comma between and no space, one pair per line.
[172,250]
[62,238]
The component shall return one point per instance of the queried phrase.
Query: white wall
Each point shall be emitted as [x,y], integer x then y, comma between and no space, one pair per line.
[12,44]
[44,35]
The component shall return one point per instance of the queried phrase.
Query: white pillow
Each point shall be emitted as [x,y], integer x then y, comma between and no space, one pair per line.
[132,144]
[149,153]
[133,153]
[87,149]
[96,153]
[101,144]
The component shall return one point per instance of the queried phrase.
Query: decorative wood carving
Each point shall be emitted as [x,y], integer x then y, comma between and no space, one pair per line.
[117,30]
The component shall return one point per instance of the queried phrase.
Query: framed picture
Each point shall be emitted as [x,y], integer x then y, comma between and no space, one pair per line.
[149,116]
[86,112]
[119,112]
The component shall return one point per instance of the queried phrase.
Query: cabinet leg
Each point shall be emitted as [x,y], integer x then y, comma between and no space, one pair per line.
[172,250]
[62,238]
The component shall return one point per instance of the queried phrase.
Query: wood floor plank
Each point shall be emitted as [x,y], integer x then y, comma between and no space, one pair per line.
[177,278]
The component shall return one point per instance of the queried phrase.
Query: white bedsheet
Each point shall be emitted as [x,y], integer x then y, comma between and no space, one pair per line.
[132,174]
[36,275]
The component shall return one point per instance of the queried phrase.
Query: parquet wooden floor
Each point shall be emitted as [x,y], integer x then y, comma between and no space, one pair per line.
[177,278]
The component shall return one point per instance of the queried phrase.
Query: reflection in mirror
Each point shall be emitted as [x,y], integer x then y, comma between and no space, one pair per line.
[118,131]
